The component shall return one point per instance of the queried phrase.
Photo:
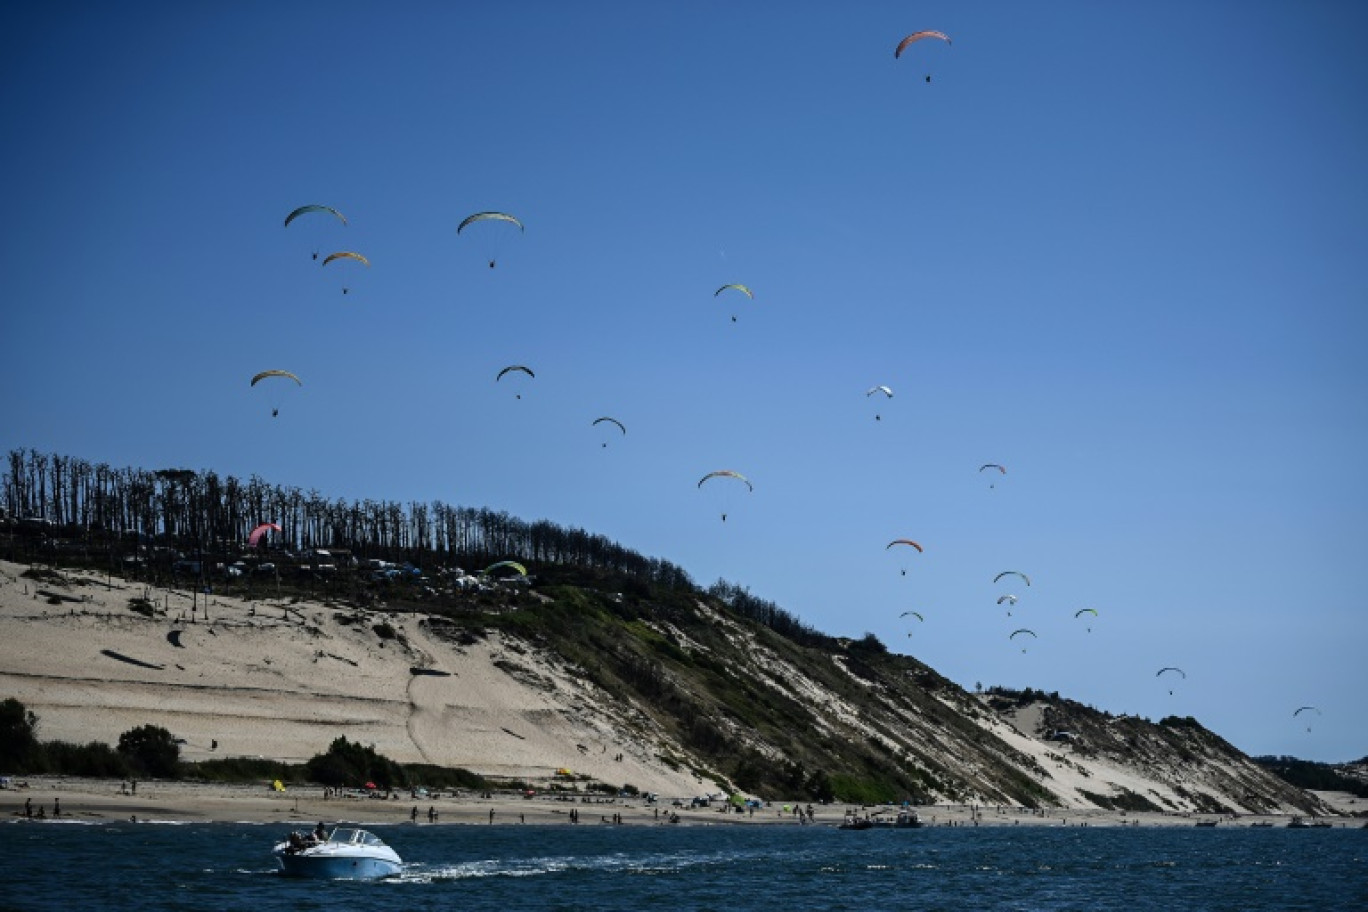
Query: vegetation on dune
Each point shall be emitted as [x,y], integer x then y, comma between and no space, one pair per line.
[1309,774]
[152,752]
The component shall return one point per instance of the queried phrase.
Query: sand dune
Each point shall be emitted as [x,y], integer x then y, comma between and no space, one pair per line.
[281,681]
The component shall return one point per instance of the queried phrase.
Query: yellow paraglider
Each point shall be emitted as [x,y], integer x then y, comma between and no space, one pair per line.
[347,255]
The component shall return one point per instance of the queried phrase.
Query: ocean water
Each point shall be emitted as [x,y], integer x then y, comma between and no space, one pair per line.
[149,866]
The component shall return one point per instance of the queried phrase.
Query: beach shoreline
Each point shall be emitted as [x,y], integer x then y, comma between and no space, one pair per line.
[88,800]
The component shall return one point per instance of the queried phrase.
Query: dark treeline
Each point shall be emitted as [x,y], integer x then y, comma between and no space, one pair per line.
[201,513]
[90,506]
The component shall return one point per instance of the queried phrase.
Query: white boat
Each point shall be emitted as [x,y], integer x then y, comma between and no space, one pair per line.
[346,853]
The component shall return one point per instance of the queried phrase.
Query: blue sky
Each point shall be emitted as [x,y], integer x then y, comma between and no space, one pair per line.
[1120,249]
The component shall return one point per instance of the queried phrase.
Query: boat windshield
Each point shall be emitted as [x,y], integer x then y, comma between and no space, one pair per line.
[356,837]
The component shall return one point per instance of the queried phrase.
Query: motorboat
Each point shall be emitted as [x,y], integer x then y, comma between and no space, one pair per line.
[345,853]
[1301,823]
[906,819]
[856,823]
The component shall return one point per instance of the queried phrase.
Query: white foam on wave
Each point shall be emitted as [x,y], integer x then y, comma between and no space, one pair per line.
[653,863]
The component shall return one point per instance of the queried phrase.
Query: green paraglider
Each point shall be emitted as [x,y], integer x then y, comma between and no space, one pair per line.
[516,567]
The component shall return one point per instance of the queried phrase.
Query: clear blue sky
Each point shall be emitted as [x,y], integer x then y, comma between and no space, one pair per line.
[1121,249]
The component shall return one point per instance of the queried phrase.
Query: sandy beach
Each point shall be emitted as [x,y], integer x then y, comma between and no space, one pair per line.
[103,801]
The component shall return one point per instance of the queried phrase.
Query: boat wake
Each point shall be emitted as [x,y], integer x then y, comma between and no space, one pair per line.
[663,863]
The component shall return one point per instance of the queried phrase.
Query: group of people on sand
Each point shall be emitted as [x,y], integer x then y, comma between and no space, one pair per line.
[40,814]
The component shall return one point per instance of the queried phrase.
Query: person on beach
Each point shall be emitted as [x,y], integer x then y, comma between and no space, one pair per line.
[491,815]
[432,814]
[413,814]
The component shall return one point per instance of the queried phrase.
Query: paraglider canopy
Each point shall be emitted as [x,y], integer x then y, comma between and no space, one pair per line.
[275,373]
[302,210]
[904,541]
[1026,579]
[514,367]
[739,287]
[255,538]
[486,216]
[918,36]
[613,420]
[346,255]
[516,567]
[727,473]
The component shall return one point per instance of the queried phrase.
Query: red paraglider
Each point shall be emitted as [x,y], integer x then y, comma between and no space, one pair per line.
[259,531]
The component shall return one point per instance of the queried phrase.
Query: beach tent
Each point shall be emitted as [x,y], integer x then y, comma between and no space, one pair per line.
[278,786]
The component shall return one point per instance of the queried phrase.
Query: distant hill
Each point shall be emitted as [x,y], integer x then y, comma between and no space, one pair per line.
[718,685]
[1324,777]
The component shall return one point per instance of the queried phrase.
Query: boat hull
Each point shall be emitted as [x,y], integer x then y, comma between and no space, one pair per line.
[336,867]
